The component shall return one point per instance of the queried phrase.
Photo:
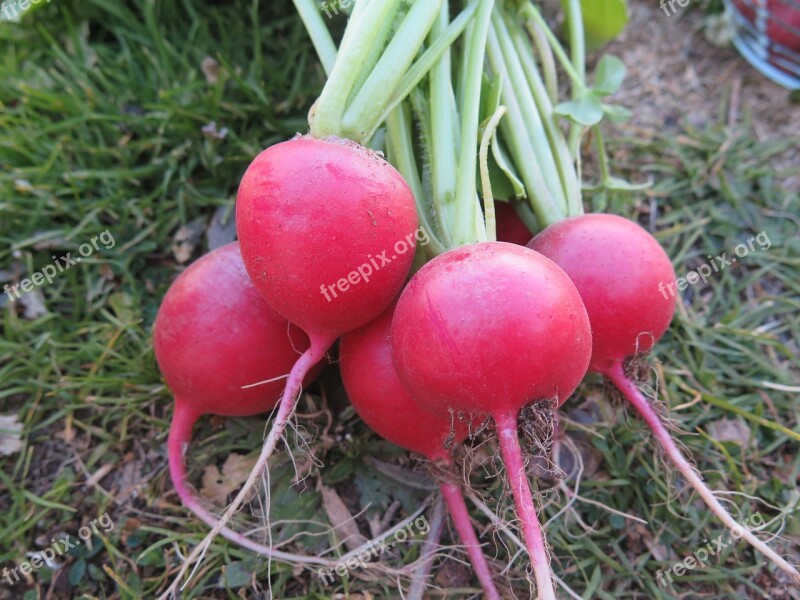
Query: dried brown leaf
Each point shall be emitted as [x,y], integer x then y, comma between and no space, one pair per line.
[341,519]
[730,430]
[217,486]
[10,435]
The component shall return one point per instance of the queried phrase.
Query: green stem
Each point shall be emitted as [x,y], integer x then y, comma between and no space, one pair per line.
[526,148]
[320,36]
[400,148]
[577,41]
[443,163]
[546,57]
[578,80]
[327,119]
[425,62]
[364,113]
[378,44]
[532,114]
[570,182]
[466,195]
[602,156]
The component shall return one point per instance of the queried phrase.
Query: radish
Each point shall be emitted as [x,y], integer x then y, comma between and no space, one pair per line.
[510,227]
[489,329]
[214,337]
[383,403]
[328,233]
[628,284]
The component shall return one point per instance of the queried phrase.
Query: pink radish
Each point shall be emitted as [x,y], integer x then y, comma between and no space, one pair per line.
[213,337]
[490,329]
[327,230]
[627,283]
[386,407]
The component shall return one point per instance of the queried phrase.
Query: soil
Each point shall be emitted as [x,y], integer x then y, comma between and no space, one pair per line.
[677,78]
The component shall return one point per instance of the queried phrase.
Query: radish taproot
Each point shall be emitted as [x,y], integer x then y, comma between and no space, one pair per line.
[216,341]
[489,329]
[375,391]
[628,286]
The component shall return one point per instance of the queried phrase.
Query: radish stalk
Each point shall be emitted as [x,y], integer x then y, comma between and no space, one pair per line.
[466,205]
[320,36]
[516,132]
[631,392]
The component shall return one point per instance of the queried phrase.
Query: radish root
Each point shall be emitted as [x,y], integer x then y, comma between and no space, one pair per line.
[460,515]
[285,409]
[531,529]
[428,552]
[629,389]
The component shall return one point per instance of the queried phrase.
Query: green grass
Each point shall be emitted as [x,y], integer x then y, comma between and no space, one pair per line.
[102,107]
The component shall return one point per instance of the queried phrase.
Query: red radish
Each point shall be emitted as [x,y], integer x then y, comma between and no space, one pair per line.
[628,284]
[213,337]
[490,329]
[327,231]
[383,403]
[510,228]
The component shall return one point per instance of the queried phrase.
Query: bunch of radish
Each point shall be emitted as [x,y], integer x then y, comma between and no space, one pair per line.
[485,330]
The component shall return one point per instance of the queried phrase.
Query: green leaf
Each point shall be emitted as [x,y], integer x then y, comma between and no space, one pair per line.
[609,75]
[76,572]
[617,114]
[502,162]
[620,185]
[236,575]
[340,471]
[603,20]
[586,110]
[371,490]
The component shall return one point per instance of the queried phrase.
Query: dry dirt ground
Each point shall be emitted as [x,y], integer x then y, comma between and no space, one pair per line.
[676,77]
